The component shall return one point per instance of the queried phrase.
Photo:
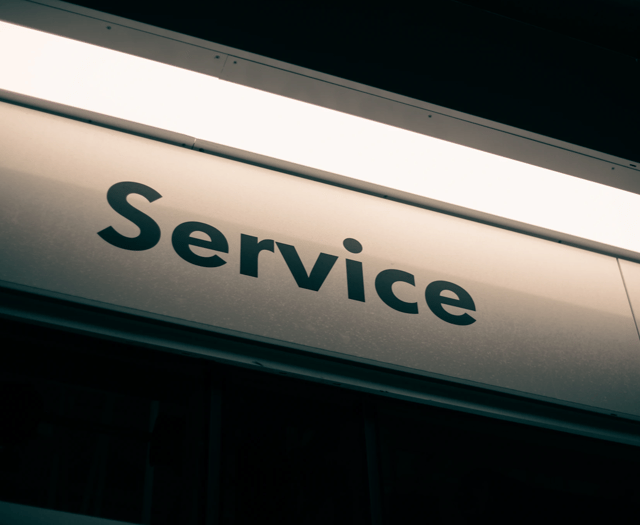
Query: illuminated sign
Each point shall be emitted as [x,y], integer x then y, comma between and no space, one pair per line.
[132,224]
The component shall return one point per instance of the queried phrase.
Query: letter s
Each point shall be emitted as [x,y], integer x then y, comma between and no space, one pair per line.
[149,229]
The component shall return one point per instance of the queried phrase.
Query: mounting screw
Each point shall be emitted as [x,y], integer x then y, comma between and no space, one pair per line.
[108,27]
[217,56]
[235,61]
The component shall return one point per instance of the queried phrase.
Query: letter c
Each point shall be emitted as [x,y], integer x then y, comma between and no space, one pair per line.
[384,282]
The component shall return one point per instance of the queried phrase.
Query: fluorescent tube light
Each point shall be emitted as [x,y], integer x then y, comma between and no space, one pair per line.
[61,70]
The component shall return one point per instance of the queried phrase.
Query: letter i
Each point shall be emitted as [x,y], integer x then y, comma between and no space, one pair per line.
[355,277]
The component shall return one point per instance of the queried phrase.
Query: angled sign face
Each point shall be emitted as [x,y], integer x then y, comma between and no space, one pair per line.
[631,276]
[135,224]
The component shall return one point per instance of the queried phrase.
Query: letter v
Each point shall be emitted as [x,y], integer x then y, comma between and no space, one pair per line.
[318,274]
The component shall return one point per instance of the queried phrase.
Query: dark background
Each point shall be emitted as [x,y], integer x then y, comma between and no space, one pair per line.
[122,432]
[567,69]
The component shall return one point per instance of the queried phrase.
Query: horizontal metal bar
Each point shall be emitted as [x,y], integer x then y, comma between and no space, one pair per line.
[98,119]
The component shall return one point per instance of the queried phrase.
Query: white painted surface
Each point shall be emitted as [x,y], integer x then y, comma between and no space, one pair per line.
[551,321]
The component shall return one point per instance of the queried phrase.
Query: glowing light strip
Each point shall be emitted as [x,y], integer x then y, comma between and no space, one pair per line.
[116,84]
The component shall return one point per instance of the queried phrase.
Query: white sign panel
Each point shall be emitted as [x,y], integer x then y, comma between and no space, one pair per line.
[129,222]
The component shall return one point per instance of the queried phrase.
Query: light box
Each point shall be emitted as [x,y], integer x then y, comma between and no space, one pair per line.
[108,82]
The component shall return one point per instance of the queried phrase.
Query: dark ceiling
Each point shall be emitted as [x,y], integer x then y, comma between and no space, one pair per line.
[567,69]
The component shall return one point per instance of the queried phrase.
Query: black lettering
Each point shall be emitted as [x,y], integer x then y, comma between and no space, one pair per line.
[435,301]
[149,229]
[318,274]
[355,280]
[384,283]
[250,248]
[355,276]
[182,240]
